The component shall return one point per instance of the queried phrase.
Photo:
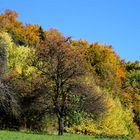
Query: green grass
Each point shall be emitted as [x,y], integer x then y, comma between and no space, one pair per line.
[13,135]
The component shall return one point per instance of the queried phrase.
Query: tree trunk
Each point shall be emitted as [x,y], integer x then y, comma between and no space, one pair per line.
[24,123]
[60,125]
[3,61]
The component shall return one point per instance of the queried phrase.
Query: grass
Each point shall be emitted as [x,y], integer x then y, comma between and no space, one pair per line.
[13,135]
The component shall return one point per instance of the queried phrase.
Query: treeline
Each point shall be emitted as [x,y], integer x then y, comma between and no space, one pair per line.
[49,83]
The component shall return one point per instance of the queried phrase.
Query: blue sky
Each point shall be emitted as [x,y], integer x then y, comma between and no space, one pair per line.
[112,22]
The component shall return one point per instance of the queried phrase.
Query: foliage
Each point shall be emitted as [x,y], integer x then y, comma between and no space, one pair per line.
[16,55]
[105,64]
[8,20]
[117,116]
[131,86]
[27,35]
[59,62]
[3,54]
[86,88]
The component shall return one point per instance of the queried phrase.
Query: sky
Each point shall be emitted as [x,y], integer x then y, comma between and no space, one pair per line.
[111,22]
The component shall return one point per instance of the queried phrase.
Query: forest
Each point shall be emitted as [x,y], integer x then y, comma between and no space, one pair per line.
[51,83]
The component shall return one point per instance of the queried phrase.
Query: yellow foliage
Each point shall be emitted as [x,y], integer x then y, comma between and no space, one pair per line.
[117,121]
[87,127]
[18,69]
[114,121]
[120,73]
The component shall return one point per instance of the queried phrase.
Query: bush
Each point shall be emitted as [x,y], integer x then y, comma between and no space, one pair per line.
[87,127]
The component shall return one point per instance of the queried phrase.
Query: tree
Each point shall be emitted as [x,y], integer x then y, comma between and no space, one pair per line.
[42,34]
[31,99]
[131,87]
[105,64]
[27,35]
[9,108]
[8,20]
[60,65]
[3,59]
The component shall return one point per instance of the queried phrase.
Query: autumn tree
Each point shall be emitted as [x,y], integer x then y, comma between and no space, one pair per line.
[27,35]
[131,87]
[8,21]
[9,107]
[61,65]
[106,65]
[18,82]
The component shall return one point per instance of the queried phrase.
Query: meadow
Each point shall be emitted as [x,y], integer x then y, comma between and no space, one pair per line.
[13,135]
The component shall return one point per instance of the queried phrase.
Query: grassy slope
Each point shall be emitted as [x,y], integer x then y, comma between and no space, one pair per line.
[9,135]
